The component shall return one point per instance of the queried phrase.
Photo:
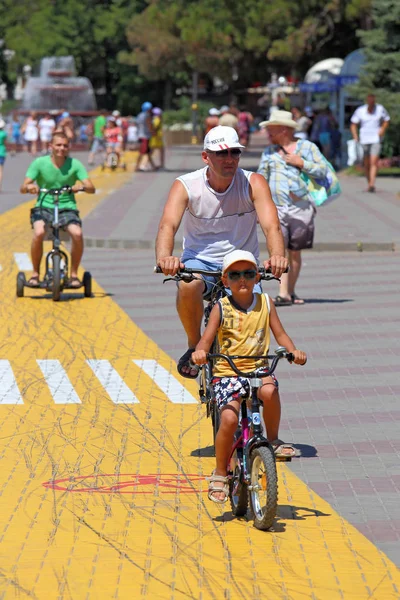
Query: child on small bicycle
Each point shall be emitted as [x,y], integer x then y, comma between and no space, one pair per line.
[242,322]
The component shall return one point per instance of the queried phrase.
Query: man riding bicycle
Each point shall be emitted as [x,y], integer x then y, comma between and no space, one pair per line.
[222,204]
[56,171]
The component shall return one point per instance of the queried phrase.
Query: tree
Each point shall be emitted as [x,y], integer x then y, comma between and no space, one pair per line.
[381,73]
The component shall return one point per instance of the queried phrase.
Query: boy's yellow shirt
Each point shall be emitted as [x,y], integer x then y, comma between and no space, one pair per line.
[243,333]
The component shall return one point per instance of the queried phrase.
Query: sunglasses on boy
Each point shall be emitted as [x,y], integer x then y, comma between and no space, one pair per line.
[234,152]
[248,274]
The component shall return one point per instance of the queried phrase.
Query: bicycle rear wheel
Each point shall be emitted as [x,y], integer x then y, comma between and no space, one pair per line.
[263,487]
[238,494]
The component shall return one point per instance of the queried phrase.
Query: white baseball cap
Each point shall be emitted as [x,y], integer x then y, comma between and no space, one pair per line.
[221,138]
[116,113]
[214,112]
[236,256]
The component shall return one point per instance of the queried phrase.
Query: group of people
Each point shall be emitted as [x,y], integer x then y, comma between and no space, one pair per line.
[220,206]
[230,116]
[143,133]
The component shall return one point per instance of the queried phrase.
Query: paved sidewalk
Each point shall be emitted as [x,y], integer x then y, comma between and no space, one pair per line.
[343,409]
[355,220]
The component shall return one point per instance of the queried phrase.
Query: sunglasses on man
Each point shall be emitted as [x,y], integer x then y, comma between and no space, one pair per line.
[234,152]
[248,274]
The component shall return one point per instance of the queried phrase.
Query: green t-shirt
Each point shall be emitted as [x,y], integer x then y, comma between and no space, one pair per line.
[99,123]
[48,176]
[3,149]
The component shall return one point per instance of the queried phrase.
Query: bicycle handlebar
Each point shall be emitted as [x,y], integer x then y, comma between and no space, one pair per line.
[260,371]
[265,273]
[57,191]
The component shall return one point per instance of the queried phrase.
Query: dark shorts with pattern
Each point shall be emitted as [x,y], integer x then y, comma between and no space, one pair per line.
[227,389]
[65,217]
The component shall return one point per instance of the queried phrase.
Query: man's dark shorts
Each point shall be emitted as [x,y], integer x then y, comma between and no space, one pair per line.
[65,217]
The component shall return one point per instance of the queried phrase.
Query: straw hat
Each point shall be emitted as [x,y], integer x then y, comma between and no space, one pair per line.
[280,117]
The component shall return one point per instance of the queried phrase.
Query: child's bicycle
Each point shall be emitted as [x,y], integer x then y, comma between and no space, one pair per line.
[206,388]
[56,277]
[113,161]
[251,467]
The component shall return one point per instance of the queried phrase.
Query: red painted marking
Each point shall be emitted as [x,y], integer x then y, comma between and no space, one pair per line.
[127,483]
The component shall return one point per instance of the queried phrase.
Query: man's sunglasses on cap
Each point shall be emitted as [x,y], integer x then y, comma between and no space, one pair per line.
[247,274]
[236,152]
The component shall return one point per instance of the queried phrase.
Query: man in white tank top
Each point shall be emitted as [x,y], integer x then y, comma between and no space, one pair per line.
[221,204]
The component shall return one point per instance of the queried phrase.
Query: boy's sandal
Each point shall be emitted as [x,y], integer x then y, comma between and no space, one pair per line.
[184,361]
[296,299]
[279,447]
[74,283]
[212,489]
[33,281]
[282,301]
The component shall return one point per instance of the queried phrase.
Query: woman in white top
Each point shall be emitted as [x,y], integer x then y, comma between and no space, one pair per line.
[31,133]
[46,127]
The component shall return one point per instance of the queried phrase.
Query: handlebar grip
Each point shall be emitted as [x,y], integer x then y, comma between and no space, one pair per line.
[157,269]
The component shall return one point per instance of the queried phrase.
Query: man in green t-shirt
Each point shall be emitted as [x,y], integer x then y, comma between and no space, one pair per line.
[50,172]
[99,143]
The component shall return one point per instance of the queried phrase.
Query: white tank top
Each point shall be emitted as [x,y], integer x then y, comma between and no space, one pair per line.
[216,223]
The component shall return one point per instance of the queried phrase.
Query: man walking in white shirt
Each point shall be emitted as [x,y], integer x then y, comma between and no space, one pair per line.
[373,120]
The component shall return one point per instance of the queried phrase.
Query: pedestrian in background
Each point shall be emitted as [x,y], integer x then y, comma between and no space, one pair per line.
[303,124]
[281,164]
[99,144]
[372,120]
[228,118]
[212,120]
[3,149]
[157,139]
[16,139]
[145,130]
[46,127]
[245,119]
[30,129]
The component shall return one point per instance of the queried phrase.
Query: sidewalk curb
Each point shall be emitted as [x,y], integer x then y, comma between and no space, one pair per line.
[129,244]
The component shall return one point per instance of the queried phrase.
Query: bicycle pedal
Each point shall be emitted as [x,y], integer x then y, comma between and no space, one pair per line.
[283,458]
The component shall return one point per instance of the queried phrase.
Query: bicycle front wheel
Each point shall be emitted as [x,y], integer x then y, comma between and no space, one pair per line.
[263,487]
[56,284]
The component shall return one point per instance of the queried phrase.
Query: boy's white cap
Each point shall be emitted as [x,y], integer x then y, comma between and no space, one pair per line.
[221,138]
[236,256]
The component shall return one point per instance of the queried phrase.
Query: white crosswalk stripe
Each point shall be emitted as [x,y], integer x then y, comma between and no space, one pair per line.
[175,391]
[112,382]
[9,392]
[59,384]
[23,261]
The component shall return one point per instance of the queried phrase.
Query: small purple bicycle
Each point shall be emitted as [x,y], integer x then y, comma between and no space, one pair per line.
[252,468]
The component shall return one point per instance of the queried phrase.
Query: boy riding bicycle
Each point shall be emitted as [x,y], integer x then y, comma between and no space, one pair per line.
[242,322]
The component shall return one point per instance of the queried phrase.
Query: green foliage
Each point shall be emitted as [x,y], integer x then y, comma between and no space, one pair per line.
[183,112]
[381,73]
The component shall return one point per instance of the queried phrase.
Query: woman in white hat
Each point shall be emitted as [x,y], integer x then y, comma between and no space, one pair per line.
[281,164]
[3,149]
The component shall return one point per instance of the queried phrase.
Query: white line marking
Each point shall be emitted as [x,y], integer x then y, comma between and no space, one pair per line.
[171,387]
[23,261]
[9,392]
[59,384]
[112,382]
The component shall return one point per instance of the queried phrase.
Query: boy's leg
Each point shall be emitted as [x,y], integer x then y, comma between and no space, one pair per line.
[269,394]
[224,440]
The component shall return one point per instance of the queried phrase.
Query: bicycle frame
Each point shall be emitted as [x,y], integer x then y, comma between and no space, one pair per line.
[55,226]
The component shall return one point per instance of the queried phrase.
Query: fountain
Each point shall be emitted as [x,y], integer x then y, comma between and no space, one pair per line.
[58,88]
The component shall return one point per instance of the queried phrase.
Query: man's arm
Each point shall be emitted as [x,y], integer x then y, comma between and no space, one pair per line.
[29,186]
[86,185]
[383,128]
[354,131]
[269,221]
[171,219]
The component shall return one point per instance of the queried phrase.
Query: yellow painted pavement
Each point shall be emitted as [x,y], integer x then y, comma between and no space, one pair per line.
[99,500]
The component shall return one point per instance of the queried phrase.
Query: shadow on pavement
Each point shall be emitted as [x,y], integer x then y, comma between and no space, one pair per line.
[68,297]
[285,512]
[206,452]
[306,451]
